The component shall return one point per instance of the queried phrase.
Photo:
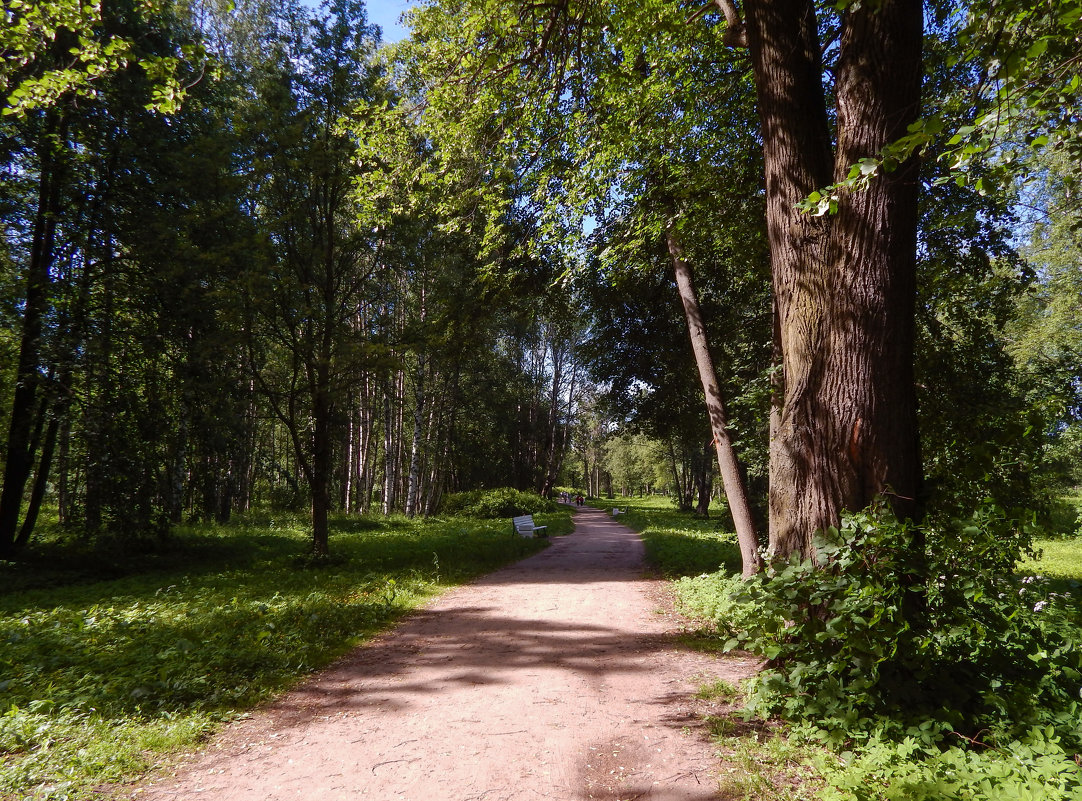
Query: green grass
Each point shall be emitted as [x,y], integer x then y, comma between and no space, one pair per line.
[717,690]
[1060,562]
[1059,559]
[1065,516]
[111,658]
[764,765]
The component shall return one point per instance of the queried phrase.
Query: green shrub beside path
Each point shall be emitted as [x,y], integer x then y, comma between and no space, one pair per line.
[1031,725]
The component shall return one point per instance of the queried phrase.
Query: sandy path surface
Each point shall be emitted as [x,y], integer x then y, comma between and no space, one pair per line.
[556,678]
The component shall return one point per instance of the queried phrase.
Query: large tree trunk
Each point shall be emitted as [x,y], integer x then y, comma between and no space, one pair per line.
[844,284]
[731,476]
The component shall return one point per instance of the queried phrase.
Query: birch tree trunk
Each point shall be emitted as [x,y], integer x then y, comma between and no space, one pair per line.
[413,488]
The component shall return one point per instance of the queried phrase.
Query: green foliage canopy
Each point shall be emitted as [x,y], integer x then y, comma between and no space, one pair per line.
[64,49]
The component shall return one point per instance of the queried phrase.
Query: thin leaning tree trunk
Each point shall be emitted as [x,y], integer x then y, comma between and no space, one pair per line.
[388,450]
[732,479]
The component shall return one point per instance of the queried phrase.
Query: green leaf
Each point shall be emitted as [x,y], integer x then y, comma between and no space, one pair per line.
[1037,49]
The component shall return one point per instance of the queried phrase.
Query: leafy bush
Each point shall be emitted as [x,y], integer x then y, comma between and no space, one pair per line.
[502,502]
[917,656]
[933,640]
[1033,767]
[711,597]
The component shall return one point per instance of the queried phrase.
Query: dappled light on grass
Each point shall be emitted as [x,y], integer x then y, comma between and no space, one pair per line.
[97,675]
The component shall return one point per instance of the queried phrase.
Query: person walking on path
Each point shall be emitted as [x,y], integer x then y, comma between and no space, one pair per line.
[554,678]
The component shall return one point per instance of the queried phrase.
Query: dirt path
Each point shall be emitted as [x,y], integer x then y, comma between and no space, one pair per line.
[555,678]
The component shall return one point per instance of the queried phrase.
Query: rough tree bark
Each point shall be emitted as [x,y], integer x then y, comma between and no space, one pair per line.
[845,427]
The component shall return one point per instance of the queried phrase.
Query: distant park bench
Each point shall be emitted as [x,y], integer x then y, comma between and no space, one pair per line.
[525,527]
[616,511]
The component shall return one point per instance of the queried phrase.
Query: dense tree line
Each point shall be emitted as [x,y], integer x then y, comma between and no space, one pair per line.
[856,159]
[248,258]
[201,313]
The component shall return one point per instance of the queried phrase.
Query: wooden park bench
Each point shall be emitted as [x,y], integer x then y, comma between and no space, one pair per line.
[525,527]
[616,511]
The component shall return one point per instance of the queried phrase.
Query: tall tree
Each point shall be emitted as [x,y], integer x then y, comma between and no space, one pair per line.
[305,306]
[61,133]
[618,125]
[844,284]
[845,422]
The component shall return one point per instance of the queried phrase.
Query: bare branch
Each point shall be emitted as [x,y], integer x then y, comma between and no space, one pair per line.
[698,14]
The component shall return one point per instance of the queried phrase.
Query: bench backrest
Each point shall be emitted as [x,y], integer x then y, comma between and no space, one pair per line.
[523,521]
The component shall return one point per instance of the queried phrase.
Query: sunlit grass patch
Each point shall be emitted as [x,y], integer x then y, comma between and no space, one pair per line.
[1060,562]
[763,764]
[55,755]
[718,690]
[1059,558]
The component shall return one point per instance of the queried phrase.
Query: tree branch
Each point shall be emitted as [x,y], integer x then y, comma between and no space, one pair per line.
[735,35]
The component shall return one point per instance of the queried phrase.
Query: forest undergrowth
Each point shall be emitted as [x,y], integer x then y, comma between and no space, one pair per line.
[877,686]
[121,655]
